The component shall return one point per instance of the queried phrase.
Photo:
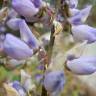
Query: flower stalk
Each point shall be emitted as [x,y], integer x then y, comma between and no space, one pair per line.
[50,49]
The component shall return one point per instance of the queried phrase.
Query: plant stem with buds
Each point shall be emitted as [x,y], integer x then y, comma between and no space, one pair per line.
[50,49]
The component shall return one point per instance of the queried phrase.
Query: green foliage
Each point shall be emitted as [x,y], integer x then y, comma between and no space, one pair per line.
[3,73]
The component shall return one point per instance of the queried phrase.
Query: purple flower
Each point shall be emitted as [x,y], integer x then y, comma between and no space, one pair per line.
[40,67]
[27,36]
[13,23]
[39,78]
[54,82]
[84,32]
[82,65]
[81,16]
[24,7]
[12,14]
[37,3]
[16,85]
[16,48]
[73,3]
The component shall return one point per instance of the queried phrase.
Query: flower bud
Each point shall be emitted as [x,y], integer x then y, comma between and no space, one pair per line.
[13,23]
[37,3]
[73,3]
[16,48]
[84,33]
[17,86]
[54,82]
[82,65]
[27,36]
[24,8]
[81,16]
[10,91]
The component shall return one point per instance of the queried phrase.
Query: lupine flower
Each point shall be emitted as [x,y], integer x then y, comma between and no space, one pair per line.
[10,91]
[24,7]
[84,32]
[40,67]
[16,48]
[3,29]
[18,87]
[25,33]
[81,16]
[27,36]
[54,82]
[13,23]
[37,3]
[12,14]
[73,3]
[82,65]
[39,78]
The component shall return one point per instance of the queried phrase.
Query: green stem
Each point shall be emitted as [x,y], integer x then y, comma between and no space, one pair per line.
[51,44]
[64,9]
[44,92]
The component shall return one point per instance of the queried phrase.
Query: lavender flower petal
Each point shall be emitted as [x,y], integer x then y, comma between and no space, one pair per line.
[73,3]
[12,14]
[81,16]
[82,65]
[40,67]
[13,23]
[16,85]
[54,82]
[39,78]
[16,48]
[37,3]
[24,7]
[84,32]
[27,35]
